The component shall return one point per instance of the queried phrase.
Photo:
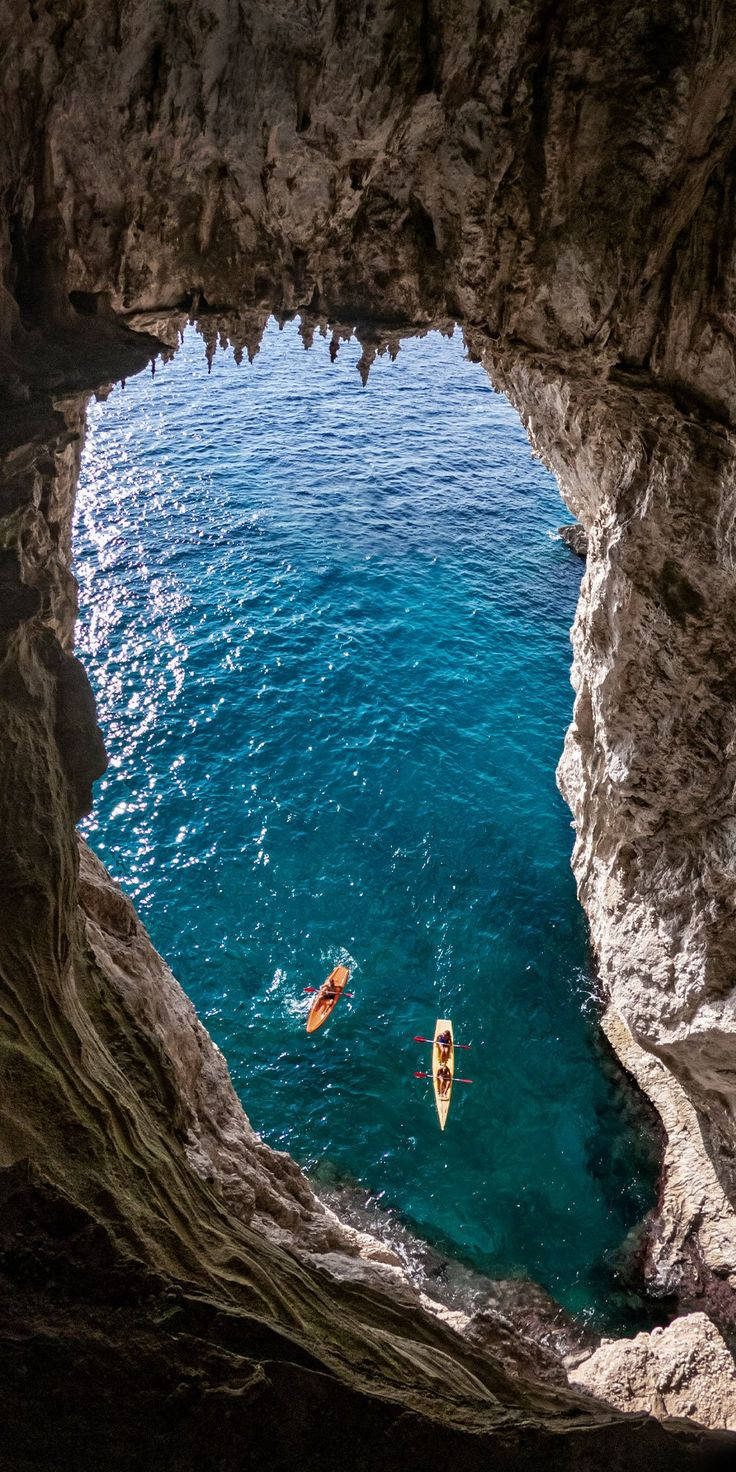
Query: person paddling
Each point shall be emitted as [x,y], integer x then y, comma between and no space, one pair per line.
[444,1044]
[444,1079]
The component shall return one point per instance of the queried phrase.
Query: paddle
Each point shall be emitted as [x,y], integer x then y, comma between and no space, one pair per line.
[318,989]
[431,1040]
[457,1080]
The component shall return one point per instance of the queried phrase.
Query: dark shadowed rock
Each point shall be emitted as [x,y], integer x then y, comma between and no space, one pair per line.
[575,537]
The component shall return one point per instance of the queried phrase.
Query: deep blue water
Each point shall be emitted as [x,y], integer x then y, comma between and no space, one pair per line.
[328,632]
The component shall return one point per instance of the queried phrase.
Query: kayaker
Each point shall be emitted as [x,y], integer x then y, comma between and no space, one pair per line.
[444,1079]
[444,1043]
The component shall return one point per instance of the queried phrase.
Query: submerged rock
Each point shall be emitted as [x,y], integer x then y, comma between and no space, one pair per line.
[575,537]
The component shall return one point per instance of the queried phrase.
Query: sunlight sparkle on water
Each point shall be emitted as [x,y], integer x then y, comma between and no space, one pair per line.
[328,632]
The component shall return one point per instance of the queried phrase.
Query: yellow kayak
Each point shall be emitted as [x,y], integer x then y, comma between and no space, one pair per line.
[443,1058]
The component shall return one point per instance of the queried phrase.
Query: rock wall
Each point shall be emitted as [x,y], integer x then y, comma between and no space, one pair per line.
[561,182]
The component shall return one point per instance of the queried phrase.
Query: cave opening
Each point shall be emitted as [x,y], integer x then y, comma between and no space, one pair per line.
[327,628]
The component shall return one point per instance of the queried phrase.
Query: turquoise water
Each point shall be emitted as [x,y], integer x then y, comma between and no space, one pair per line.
[328,632]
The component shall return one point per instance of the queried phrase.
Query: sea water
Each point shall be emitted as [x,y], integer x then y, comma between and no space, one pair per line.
[328,631]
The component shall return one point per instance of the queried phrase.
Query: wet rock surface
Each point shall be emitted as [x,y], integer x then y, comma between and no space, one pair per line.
[575,537]
[561,182]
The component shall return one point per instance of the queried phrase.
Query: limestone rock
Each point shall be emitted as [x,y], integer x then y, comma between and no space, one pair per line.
[575,537]
[683,1370]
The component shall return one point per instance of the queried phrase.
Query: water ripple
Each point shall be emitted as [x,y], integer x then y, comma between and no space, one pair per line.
[328,633]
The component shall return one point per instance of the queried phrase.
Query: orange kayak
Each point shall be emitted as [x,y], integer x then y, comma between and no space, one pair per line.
[326,998]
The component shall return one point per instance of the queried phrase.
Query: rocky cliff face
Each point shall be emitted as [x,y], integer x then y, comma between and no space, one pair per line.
[561,182]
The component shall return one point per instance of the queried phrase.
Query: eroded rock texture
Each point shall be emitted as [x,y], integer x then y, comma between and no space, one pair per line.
[560,180]
[683,1370]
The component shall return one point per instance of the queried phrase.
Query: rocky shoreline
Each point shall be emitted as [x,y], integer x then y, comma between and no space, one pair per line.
[343,1235]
